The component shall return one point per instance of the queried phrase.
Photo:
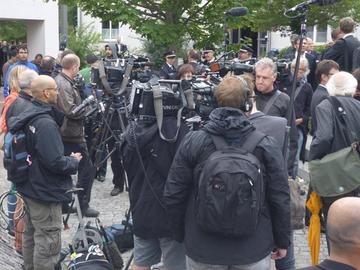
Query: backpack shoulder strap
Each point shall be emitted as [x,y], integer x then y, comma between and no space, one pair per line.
[340,115]
[219,142]
[271,102]
[253,139]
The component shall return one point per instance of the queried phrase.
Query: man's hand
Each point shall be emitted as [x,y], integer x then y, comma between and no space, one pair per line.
[278,253]
[77,156]
[299,121]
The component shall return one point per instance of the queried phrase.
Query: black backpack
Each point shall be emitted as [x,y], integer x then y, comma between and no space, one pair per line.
[231,189]
[92,259]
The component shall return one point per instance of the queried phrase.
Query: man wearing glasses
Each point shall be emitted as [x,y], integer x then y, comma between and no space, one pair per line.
[22,59]
[168,70]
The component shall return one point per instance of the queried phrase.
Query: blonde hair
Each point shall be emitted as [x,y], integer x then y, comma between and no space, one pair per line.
[14,84]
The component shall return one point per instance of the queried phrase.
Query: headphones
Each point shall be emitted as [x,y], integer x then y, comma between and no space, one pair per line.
[247,104]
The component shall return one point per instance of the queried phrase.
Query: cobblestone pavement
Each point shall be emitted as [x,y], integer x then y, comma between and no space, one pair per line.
[113,209]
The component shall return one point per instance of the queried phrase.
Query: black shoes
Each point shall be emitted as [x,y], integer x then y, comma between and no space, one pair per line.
[100,178]
[90,212]
[116,191]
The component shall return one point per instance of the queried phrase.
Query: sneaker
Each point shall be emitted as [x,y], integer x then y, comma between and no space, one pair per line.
[90,212]
[116,191]
[100,178]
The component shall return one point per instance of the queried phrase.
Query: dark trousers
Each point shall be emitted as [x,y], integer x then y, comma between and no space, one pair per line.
[116,165]
[86,171]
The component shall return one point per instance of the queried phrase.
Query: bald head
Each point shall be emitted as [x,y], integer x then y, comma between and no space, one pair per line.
[69,61]
[343,227]
[43,88]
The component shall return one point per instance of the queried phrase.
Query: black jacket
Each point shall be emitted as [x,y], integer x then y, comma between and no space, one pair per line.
[328,137]
[149,216]
[319,95]
[330,265]
[302,104]
[181,187]
[22,103]
[280,108]
[49,173]
[341,49]
[167,72]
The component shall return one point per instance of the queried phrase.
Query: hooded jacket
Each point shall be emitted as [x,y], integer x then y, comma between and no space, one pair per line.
[273,228]
[49,173]
[149,216]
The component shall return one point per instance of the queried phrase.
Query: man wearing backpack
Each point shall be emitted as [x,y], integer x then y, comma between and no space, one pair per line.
[48,175]
[227,193]
[343,49]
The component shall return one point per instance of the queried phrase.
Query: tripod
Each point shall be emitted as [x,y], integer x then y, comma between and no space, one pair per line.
[108,133]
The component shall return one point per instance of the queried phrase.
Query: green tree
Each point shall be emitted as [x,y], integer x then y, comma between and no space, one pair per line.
[83,41]
[11,30]
[170,23]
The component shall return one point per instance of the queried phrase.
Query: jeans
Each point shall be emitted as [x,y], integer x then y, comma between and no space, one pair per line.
[288,262]
[297,158]
[11,206]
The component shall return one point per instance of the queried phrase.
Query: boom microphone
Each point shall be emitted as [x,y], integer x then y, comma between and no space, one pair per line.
[311,2]
[85,103]
[237,11]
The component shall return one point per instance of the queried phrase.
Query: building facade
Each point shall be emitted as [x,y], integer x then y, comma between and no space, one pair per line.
[42,23]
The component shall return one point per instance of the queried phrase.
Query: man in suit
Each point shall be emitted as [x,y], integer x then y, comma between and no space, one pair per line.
[324,71]
[342,51]
[344,236]
[121,48]
[168,70]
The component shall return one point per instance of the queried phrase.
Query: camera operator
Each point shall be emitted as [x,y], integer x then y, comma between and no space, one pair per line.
[72,129]
[112,146]
[147,159]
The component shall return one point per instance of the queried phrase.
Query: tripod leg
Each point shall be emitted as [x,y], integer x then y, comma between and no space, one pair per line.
[81,228]
[129,261]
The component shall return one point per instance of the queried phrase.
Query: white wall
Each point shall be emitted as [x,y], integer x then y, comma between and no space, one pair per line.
[128,36]
[42,22]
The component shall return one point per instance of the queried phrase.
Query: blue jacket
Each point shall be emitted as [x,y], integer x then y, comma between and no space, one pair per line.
[26,63]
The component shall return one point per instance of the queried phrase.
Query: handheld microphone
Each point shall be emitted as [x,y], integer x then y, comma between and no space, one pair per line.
[85,103]
[237,11]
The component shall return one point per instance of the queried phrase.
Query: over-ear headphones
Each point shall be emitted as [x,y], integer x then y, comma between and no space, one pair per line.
[247,104]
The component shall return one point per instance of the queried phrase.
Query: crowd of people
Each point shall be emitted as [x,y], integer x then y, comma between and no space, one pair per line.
[213,198]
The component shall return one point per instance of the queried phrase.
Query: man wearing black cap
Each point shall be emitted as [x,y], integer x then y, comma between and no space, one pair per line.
[168,71]
[245,55]
[208,54]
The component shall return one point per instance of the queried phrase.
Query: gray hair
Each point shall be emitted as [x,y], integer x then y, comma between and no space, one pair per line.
[342,84]
[304,63]
[266,63]
[26,78]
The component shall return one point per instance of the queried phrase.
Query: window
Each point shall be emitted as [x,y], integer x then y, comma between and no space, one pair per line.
[110,30]
[317,34]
